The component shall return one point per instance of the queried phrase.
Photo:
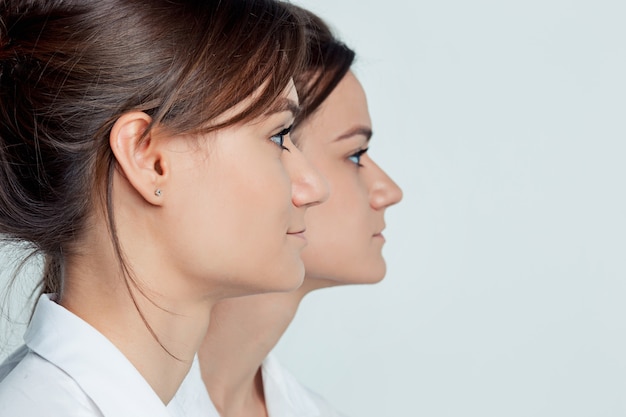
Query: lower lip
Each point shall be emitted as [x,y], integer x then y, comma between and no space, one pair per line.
[299,235]
[379,236]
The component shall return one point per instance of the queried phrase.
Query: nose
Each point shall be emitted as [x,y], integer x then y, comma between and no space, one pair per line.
[308,186]
[383,191]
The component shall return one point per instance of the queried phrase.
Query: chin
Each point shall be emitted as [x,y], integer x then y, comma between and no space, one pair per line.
[372,277]
[367,273]
[293,280]
[284,280]
[370,272]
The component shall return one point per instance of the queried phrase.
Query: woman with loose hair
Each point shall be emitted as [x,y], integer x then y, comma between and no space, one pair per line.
[344,247]
[145,154]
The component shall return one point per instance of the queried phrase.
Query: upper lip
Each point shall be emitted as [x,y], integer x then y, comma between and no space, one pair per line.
[380,231]
[295,232]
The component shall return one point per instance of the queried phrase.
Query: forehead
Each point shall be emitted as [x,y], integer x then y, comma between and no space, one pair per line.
[345,106]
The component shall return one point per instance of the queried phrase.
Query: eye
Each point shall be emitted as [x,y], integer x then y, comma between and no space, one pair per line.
[279,138]
[356,157]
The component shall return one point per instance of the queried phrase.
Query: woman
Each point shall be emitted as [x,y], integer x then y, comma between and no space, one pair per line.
[344,247]
[145,152]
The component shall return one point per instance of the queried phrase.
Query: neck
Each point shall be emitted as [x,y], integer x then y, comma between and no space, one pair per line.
[159,334]
[241,334]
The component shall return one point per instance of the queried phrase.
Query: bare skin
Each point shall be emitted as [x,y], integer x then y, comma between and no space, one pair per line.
[180,269]
[244,330]
[234,380]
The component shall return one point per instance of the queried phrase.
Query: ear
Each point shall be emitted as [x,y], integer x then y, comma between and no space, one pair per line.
[139,157]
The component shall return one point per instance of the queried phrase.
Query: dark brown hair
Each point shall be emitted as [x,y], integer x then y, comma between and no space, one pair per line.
[70,68]
[328,61]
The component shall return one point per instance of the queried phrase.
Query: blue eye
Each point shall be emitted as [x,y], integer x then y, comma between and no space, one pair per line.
[279,138]
[356,157]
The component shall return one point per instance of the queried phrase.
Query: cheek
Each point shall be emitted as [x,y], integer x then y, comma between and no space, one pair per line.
[340,233]
[230,209]
[347,211]
[255,200]
[260,215]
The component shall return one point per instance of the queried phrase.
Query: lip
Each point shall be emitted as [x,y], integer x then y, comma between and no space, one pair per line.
[379,235]
[299,234]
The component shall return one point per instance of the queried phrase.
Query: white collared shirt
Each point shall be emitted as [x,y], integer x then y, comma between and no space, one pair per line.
[68,369]
[192,399]
[284,395]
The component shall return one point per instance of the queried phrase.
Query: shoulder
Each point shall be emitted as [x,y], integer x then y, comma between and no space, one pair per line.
[36,387]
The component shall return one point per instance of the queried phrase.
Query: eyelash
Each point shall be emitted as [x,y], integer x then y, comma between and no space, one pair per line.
[356,157]
[281,138]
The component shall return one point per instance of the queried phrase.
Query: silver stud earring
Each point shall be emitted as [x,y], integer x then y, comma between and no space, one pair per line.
[158,192]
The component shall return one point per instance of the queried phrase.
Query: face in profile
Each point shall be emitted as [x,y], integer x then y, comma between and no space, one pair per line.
[345,233]
[236,207]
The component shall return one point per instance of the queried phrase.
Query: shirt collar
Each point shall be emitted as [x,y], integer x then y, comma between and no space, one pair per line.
[88,357]
[192,398]
[284,395]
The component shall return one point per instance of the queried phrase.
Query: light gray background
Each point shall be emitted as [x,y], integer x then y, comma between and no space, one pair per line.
[504,122]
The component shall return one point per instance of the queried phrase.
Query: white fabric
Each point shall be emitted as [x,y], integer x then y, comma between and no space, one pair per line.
[12,360]
[192,399]
[284,395]
[68,369]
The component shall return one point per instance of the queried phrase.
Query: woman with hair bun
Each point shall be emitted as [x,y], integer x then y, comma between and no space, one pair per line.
[344,247]
[145,154]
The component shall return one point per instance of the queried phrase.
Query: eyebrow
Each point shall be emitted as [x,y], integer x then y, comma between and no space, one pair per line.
[283,104]
[355,131]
